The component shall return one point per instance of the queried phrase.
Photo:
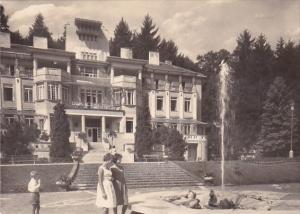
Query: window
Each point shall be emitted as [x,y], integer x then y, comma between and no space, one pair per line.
[183,85]
[187,129]
[187,104]
[159,103]
[117,97]
[65,94]
[173,103]
[52,91]
[41,124]
[8,92]
[82,95]
[88,71]
[11,69]
[159,125]
[173,125]
[28,94]
[29,120]
[9,118]
[129,125]
[129,98]
[40,92]
[156,84]
[99,97]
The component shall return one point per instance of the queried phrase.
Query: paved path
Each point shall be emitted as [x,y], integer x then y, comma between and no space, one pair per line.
[145,200]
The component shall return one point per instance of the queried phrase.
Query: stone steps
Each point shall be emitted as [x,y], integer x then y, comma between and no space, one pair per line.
[141,175]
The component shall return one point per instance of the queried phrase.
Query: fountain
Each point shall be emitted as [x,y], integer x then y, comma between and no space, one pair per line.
[223,101]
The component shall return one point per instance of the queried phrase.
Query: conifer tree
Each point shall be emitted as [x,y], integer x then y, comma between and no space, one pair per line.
[168,50]
[274,138]
[60,133]
[122,38]
[3,20]
[147,40]
[143,134]
[40,29]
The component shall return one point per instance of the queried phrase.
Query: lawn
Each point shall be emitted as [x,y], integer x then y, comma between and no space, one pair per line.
[15,178]
[245,173]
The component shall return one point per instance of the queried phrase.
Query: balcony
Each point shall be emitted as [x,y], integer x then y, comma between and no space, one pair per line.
[50,74]
[124,81]
[90,106]
[89,81]
[195,138]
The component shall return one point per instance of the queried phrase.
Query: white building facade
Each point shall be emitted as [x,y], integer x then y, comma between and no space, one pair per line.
[101,93]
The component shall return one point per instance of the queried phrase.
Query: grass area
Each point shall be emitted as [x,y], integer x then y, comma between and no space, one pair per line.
[16,177]
[245,173]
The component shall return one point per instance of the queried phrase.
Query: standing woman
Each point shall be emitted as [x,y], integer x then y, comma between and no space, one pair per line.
[106,196]
[120,183]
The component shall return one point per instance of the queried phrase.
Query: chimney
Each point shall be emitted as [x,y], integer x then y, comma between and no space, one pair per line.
[126,53]
[40,42]
[168,62]
[153,58]
[4,40]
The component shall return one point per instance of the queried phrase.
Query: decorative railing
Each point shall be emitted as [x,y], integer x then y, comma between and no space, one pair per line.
[195,138]
[80,105]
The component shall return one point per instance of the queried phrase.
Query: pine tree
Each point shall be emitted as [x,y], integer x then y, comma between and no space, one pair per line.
[274,138]
[143,134]
[40,29]
[147,40]
[3,20]
[122,38]
[60,133]
[168,50]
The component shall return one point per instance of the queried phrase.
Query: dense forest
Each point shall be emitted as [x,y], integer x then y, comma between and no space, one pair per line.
[265,82]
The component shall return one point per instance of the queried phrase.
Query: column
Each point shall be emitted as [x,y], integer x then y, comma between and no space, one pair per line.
[103,127]
[59,92]
[46,91]
[123,125]
[194,100]
[167,97]
[82,123]
[112,74]
[69,67]
[35,67]
[19,96]
[140,75]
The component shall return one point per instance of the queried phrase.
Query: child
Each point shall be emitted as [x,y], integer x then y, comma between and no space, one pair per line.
[34,187]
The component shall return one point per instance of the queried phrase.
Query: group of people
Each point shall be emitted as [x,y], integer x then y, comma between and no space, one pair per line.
[111,189]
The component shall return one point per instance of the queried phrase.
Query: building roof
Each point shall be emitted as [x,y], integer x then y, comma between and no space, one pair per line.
[163,67]
[88,22]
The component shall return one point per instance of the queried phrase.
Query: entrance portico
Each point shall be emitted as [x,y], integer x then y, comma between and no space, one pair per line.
[95,124]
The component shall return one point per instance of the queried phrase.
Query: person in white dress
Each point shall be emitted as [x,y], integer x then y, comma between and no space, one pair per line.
[106,196]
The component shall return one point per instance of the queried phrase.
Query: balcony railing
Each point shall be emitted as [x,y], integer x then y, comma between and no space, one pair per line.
[80,105]
[195,138]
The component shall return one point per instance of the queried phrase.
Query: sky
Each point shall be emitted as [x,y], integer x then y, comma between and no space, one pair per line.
[196,26]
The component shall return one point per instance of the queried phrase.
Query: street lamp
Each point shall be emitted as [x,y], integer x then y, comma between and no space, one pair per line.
[291,153]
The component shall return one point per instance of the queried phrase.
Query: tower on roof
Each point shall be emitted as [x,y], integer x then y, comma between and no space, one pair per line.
[86,38]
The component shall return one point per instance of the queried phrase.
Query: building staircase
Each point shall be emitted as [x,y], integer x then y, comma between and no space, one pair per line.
[95,153]
[140,175]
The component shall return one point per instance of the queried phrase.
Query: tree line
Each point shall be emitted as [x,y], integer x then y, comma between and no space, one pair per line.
[264,84]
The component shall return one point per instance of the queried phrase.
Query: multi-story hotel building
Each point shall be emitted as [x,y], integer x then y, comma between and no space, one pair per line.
[100,92]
